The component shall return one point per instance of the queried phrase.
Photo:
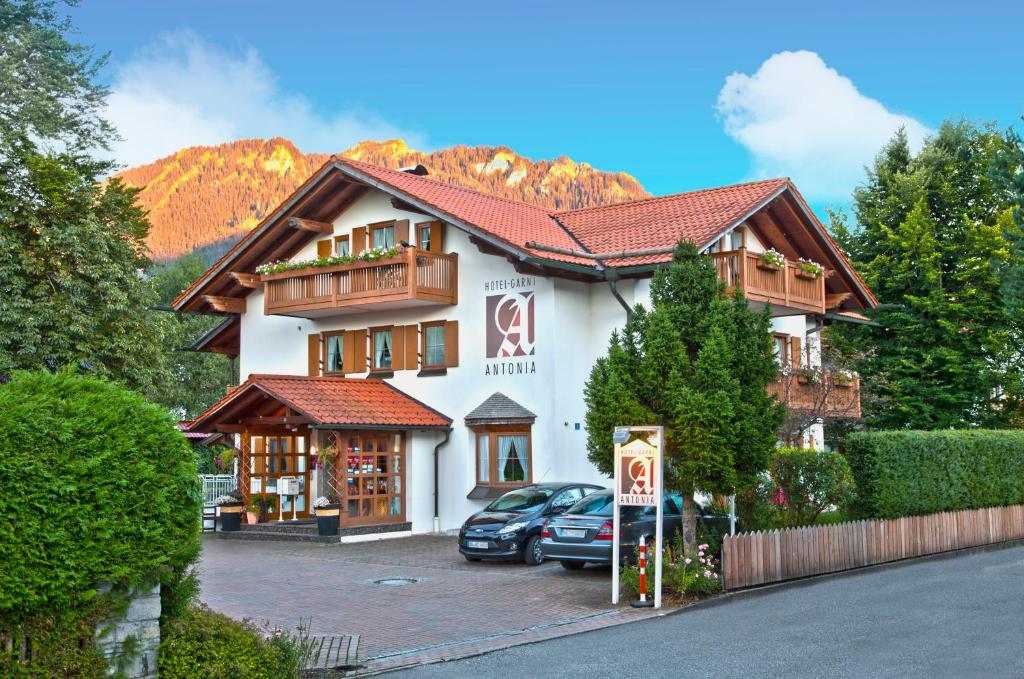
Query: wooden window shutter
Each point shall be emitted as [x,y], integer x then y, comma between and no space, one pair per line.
[397,343]
[357,340]
[412,347]
[451,344]
[795,352]
[314,353]
[358,240]
[348,356]
[402,231]
[323,248]
[436,242]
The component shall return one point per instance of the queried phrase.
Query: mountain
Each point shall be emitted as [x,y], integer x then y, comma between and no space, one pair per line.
[205,197]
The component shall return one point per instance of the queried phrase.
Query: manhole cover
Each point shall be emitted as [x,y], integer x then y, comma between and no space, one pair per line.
[396,582]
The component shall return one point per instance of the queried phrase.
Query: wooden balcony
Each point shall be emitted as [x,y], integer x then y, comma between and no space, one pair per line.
[412,278]
[829,395]
[786,287]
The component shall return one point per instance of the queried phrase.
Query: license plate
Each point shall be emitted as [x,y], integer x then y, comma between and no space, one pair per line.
[573,533]
[476,544]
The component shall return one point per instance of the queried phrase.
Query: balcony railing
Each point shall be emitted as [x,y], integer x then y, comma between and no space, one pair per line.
[829,394]
[786,286]
[413,277]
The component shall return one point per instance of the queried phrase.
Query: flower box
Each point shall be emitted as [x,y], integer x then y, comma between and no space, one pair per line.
[807,275]
[768,266]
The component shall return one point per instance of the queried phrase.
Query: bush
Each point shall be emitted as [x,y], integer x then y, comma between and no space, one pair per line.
[206,644]
[811,481]
[906,473]
[98,485]
[694,575]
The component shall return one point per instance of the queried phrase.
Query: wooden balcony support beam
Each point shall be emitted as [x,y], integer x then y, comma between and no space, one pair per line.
[276,420]
[834,300]
[400,204]
[310,225]
[247,280]
[226,305]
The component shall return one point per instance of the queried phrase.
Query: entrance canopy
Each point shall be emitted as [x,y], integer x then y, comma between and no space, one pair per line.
[327,402]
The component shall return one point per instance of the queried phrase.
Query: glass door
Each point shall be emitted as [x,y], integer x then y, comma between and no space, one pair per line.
[374,469]
[270,458]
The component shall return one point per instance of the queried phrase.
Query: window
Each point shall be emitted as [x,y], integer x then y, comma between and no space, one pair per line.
[433,345]
[567,498]
[341,248]
[599,504]
[736,239]
[520,500]
[424,237]
[780,344]
[382,349]
[503,456]
[382,235]
[334,348]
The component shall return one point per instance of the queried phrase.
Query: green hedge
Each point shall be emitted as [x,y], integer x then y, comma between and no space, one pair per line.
[906,473]
[207,644]
[98,485]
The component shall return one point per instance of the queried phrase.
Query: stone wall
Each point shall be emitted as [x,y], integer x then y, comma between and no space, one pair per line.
[130,641]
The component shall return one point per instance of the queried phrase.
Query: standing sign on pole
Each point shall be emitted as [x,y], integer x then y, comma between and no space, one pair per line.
[638,483]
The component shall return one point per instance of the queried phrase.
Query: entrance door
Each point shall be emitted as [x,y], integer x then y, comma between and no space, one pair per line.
[272,457]
[374,473]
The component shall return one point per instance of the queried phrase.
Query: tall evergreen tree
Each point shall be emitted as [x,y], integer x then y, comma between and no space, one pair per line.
[699,363]
[930,245]
[72,249]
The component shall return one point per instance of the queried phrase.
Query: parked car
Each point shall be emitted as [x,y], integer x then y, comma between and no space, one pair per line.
[510,526]
[583,534]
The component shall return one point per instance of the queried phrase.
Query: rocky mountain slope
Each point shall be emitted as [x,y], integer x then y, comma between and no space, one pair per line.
[206,197]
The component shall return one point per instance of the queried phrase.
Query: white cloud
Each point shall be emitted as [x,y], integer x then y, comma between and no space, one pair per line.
[802,119]
[182,91]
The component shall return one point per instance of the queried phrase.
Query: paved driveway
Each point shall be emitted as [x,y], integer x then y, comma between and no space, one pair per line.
[455,602]
[955,617]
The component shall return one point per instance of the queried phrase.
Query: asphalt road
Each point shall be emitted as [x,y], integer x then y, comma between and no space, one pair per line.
[953,617]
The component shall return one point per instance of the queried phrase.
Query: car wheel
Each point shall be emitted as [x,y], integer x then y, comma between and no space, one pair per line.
[573,565]
[471,558]
[531,552]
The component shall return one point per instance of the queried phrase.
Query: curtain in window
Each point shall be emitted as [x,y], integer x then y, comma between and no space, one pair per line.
[334,353]
[434,345]
[512,458]
[384,237]
[424,237]
[382,349]
[484,457]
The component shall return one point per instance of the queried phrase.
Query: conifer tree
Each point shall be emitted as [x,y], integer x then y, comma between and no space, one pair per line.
[698,363]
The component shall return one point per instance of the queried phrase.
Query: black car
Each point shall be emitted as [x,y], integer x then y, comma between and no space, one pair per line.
[583,534]
[510,526]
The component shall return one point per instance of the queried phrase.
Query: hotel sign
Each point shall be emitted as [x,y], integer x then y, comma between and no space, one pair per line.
[510,329]
[638,483]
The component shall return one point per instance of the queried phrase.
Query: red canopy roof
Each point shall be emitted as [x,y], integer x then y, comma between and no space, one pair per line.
[327,401]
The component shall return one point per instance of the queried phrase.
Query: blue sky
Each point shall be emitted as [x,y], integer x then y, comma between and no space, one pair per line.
[680,95]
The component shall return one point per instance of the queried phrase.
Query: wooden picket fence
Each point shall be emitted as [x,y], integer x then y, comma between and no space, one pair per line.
[763,557]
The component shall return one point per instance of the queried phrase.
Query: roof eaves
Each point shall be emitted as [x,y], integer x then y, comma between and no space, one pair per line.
[232,254]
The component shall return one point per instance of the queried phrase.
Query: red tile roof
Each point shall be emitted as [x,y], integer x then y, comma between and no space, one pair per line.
[698,216]
[511,221]
[338,401]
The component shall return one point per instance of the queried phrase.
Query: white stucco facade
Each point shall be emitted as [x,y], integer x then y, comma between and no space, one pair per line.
[572,321]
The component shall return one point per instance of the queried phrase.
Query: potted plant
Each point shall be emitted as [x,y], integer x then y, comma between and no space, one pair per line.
[771,260]
[328,513]
[259,509]
[843,379]
[805,268]
[231,509]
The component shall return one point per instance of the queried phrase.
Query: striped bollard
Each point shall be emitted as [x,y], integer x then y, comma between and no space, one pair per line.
[643,602]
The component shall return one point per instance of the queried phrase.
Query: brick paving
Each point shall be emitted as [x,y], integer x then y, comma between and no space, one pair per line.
[456,609]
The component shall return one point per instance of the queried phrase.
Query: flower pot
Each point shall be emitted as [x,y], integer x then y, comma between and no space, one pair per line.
[252,517]
[807,276]
[767,266]
[231,517]
[327,518]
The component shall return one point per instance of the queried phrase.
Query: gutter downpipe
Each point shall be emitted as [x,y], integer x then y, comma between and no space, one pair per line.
[437,477]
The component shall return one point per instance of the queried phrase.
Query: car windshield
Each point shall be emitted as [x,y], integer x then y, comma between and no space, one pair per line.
[599,504]
[521,500]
